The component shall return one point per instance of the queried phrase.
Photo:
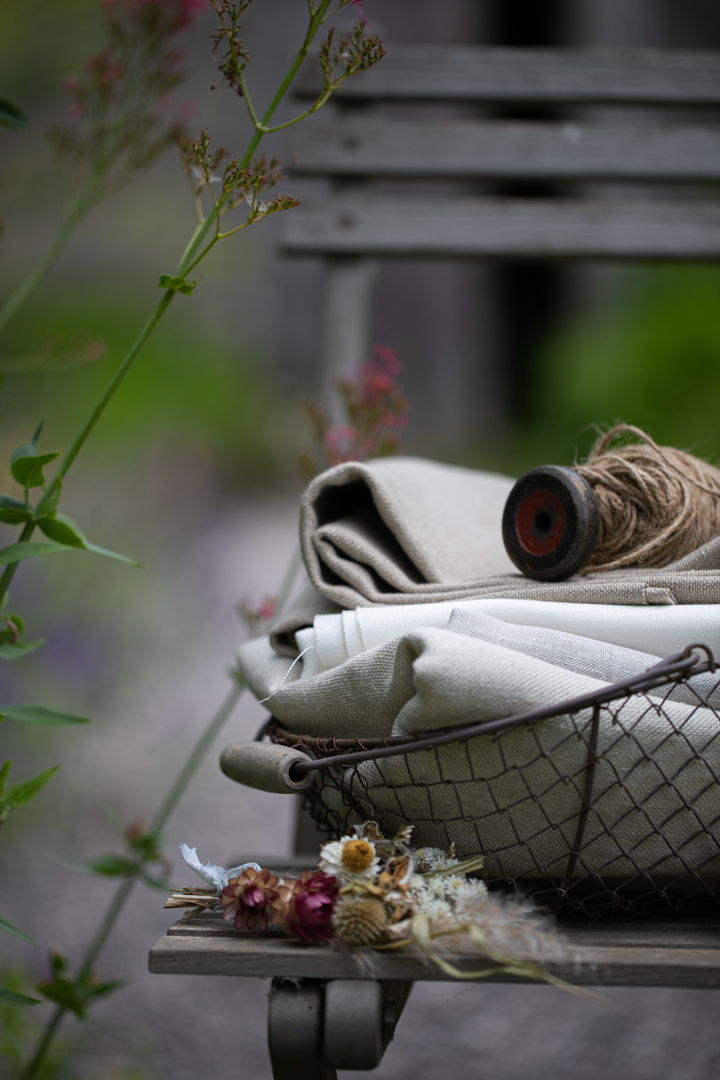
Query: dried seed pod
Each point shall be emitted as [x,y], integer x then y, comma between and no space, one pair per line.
[360,922]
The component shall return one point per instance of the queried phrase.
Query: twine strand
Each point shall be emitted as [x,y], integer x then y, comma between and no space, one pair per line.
[656,503]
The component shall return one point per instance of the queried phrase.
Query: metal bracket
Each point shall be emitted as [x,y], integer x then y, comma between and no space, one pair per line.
[316,1027]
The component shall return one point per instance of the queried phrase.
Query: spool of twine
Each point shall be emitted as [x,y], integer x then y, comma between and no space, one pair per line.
[656,503]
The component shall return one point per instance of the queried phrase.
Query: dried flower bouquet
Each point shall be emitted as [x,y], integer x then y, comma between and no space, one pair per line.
[370,892]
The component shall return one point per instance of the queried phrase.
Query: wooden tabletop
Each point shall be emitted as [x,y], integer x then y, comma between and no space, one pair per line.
[610,952]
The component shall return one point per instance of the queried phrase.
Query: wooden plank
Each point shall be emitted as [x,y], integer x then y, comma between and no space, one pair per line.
[505,228]
[577,76]
[633,955]
[380,146]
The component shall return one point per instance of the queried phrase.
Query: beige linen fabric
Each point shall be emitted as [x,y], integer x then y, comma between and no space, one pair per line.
[657,806]
[404,530]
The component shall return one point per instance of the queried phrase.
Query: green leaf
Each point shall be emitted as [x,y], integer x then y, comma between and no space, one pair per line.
[17,552]
[10,929]
[19,649]
[11,116]
[16,620]
[10,1000]
[8,501]
[12,516]
[22,793]
[64,530]
[27,469]
[63,992]
[112,866]
[26,464]
[38,714]
[61,531]
[4,775]
[179,284]
[97,990]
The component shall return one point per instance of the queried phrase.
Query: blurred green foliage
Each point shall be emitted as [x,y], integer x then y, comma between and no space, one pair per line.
[649,355]
[651,359]
[190,386]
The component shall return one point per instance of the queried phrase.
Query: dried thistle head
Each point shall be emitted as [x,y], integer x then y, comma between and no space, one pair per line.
[360,921]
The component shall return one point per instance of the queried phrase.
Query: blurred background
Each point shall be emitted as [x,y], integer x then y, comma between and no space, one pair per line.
[194,472]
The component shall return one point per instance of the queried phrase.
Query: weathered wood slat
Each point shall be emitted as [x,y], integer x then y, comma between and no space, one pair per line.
[505,228]
[481,73]
[378,146]
[617,956]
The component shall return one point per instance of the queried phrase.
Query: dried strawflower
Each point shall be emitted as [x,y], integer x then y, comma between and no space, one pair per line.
[349,859]
[360,922]
[305,906]
[248,899]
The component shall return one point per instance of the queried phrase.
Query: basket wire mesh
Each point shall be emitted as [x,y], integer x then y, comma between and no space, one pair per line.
[608,801]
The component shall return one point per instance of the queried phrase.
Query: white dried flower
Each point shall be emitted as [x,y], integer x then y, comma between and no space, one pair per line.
[349,859]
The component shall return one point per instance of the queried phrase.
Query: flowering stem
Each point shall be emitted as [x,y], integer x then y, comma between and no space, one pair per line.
[97,412]
[177,789]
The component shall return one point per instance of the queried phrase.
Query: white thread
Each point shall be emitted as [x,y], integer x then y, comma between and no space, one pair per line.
[279,686]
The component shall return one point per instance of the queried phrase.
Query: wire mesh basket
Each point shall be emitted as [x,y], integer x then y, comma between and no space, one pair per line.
[610,800]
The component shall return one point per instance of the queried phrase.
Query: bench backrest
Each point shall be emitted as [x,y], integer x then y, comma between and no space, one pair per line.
[629,126]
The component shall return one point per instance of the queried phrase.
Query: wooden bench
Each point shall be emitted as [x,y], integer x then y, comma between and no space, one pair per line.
[327,1012]
[629,157]
[629,160]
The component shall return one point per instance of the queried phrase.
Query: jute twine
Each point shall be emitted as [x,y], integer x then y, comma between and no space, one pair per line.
[656,503]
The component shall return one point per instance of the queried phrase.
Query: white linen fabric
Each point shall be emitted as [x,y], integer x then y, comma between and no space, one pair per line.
[658,631]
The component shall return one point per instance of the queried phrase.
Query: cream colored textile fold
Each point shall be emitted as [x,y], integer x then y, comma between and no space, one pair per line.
[408,531]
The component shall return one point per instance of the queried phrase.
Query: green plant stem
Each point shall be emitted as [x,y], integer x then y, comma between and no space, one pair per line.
[110,391]
[213,219]
[38,274]
[177,789]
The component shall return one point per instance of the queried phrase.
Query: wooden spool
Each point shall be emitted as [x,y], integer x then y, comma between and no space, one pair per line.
[550,523]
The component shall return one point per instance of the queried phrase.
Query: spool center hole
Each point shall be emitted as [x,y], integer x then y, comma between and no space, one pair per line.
[542,521]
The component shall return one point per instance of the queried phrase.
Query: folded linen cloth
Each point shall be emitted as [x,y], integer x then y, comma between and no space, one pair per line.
[599,659]
[405,531]
[659,631]
[421,681]
[656,804]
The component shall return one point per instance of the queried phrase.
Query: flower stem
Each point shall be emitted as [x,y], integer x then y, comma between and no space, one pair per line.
[177,789]
[97,412]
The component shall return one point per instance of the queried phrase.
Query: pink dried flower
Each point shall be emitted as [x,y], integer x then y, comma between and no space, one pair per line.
[306,906]
[248,899]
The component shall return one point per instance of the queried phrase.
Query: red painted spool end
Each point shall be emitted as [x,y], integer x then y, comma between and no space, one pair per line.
[551,523]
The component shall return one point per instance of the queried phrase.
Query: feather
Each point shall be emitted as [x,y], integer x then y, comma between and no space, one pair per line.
[216,876]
